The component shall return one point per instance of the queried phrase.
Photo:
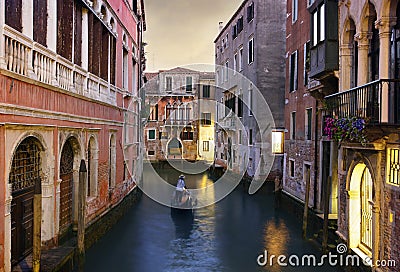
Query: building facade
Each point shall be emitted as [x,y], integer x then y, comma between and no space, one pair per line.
[249,56]
[207,110]
[300,106]
[309,153]
[68,71]
[178,123]
[367,170]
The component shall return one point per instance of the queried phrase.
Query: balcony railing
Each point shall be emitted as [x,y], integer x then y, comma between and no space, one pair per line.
[179,122]
[25,57]
[377,102]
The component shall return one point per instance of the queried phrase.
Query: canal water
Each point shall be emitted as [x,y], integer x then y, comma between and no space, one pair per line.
[227,236]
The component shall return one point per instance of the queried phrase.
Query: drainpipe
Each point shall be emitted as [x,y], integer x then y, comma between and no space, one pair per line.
[316,154]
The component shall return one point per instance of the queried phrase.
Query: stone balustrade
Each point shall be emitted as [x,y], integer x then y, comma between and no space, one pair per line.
[28,58]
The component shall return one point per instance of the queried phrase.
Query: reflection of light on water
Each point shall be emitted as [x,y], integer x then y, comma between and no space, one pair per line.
[206,194]
[276,238]
[199,248]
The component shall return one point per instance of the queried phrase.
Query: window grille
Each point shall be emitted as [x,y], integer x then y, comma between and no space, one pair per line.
[25,170]
[394,166]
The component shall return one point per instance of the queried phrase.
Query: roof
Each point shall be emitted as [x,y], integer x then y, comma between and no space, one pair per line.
[149,76]
[178,70]
[230,20]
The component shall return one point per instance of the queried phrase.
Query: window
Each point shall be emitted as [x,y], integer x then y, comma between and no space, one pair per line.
[152,134]
[394,166]
[13,9]
[250,136]
[222,73]
[235,63]
[318,25]
[151,152]
[239,25]
[291,168]
[240,59]
[250,101]
[250,12]
[125,69]
[240,105]
[206,91]
[187,134]
[206,118]
[373,55]
[206,146]
[163,135]
[153,113]
[168,84]
[293,71]
[134,76]
[293,125]
[240,136]
[226,70]
[308,124]
[226,41]
[92,155]
[295,5]
[40,23]
[234,32]
[251,50]
[189,86]
[65,29]
[306,59]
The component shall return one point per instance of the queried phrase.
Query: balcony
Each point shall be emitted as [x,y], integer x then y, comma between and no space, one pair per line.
[378,102]
[179,122]
[324,51]
[24,57]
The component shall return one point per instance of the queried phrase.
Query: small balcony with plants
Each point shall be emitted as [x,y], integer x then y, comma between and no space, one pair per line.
[362,114]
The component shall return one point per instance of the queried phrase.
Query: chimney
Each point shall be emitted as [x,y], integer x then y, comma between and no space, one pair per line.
[221,26]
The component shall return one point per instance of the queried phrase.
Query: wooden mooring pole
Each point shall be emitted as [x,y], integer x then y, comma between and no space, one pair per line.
[306,202]
[81,212]
[37,226]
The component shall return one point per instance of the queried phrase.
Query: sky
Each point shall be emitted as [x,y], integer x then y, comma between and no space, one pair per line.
[182,32]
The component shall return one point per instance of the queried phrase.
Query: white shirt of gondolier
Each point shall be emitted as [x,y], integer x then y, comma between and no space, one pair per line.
[181,185]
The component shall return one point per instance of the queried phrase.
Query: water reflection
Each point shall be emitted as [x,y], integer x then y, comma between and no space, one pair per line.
[276,239]
[225,236]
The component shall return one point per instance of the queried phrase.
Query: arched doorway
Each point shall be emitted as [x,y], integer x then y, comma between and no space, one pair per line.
[360,209]
[25,176]
[174,149]
[66,186]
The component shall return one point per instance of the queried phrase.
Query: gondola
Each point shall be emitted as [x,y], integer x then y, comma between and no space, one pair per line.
[185,206]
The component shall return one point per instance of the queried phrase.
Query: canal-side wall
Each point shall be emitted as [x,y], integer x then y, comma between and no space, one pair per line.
[110,217]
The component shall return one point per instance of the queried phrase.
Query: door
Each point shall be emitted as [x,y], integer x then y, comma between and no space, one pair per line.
[66,175]
[24,175]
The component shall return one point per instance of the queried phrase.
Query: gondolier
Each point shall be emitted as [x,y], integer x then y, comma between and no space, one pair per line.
[180,188]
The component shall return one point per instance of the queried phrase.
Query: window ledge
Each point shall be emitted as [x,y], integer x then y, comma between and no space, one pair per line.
[366,260]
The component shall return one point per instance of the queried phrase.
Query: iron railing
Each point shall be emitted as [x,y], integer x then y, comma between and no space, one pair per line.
[377,102]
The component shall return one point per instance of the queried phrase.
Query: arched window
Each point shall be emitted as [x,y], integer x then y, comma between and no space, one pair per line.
[373,54]
[92,156]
